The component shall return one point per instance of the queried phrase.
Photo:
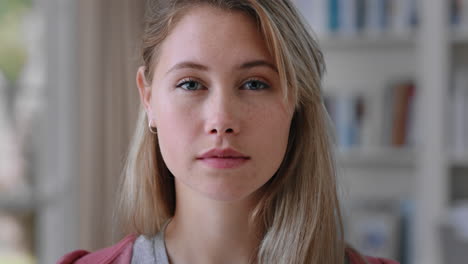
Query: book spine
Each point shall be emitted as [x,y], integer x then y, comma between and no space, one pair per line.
[455,12]
[413,14]
[402,100]
[319,15]
[465,120]
[463,16]
[401,16]
[348,17]
[361,11]
[372,17]
[344,121]
[411,136]
[373,22]
[397,122]
[334,16]
[382,6]
[387,115]
[370,121]
[460,111]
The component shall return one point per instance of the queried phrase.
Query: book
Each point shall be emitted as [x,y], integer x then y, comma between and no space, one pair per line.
[376,17]
[348,17]
[361,10]
[354,17]
[387,115]
[454,233]
[400,14]
[334,15]
[374,227]
[463,26]
[459,100]
[374,119]
[398,113]
[348,114]
[318,17]
[403,96]
[455,12]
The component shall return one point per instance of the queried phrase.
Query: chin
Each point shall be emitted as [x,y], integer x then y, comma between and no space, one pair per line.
[221,187]
[228,195]
[223,197]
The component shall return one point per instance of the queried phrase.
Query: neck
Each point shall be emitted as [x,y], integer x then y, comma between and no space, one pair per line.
[209,231]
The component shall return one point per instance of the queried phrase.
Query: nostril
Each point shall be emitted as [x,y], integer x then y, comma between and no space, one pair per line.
[227,131]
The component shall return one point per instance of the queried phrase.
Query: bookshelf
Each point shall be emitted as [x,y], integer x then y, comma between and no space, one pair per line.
[380,158]
[428,172]
[370,42]
[38,192]
[22,202]
[459,160]
[459,38]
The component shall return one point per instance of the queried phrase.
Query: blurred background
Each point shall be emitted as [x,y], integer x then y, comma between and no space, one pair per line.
[396,89]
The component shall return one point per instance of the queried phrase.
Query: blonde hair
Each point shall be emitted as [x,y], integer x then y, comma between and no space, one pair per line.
[298,212]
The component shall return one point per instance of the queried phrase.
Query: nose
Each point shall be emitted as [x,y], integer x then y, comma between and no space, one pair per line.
[223,115]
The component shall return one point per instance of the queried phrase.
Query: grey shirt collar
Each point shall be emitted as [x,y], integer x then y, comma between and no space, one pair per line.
[150,250]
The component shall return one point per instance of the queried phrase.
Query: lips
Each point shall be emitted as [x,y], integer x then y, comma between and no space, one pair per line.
[223,158]
[222,153]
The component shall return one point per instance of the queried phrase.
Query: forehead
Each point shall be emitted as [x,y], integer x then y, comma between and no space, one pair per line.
[214,36]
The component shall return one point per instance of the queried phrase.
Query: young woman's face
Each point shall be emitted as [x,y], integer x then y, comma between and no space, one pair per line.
[222,121]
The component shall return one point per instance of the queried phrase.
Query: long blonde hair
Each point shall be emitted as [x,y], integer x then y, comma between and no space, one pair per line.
[298,212]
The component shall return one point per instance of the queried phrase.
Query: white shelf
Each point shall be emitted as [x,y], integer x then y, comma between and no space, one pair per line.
[17,201]
[363,62]
[383,157]
[362,41]
[459,38]
[459,160]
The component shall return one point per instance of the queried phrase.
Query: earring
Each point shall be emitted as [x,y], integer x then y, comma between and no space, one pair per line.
[152,129]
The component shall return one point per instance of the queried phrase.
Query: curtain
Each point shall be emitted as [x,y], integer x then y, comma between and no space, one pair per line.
[109,33]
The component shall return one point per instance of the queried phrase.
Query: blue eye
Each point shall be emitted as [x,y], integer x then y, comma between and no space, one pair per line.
[255,85]
[190,85]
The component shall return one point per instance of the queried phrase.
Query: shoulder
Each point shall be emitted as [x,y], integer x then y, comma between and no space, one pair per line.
[355,258]
[120,253]
[372,260]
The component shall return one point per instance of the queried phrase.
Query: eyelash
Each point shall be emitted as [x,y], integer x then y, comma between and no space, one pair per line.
[186,81]
[194,81]
[262,83]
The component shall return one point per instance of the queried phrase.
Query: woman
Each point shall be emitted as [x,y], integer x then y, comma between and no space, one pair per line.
[231,161]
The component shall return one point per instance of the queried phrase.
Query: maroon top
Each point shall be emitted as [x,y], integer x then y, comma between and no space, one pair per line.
[121,253]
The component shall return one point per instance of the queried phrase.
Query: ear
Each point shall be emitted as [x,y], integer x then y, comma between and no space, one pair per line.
[144,88]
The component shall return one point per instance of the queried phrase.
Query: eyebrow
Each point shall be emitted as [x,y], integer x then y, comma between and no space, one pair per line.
[246,65]
[189,65]
[258,63]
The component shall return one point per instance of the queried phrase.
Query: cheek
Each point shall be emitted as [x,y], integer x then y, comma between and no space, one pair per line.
[175,121]
[272,120]
[177,128]
[270,133]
